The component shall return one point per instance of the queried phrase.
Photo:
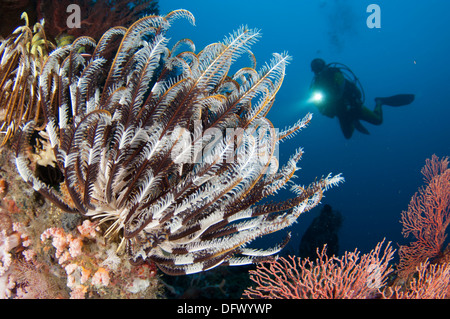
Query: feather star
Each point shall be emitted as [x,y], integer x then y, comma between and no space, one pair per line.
[168,148]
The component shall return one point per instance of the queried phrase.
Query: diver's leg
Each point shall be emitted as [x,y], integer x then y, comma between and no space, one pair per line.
[374,117]
[347,128]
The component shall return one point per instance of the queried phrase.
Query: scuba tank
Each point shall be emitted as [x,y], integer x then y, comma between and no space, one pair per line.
[350,76]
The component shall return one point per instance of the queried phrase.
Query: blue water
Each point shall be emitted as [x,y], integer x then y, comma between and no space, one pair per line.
[408,54]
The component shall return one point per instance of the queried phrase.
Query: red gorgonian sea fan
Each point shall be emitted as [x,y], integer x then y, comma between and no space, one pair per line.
[347,277]
[428,282]
[427,217]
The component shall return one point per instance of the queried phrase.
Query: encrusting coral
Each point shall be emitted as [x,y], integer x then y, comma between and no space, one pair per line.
[167,148]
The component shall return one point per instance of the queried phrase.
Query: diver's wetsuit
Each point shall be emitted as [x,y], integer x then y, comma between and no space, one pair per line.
[343,99]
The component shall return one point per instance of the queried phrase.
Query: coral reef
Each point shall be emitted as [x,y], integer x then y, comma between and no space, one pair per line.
[150,157]
[41,259]
[431,281]
[348,277]
[167,149]
[93,268]
[88,267]
[422,273]
[427,218]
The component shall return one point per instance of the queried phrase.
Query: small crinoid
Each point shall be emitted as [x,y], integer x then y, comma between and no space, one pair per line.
[166,147]
[22,55]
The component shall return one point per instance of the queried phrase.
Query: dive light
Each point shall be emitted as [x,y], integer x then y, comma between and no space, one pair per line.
[317,97]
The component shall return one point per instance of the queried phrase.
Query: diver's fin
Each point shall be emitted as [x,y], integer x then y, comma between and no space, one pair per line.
[360,128]
[396,100]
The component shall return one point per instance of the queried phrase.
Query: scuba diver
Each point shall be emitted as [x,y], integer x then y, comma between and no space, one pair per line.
[338,92]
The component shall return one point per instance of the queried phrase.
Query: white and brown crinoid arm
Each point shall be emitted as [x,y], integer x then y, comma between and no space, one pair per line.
[168,148]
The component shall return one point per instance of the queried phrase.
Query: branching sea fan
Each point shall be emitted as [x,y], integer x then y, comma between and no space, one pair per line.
[166,147]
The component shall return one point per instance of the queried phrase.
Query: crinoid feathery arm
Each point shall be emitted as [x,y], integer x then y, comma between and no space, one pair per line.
[167,148]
